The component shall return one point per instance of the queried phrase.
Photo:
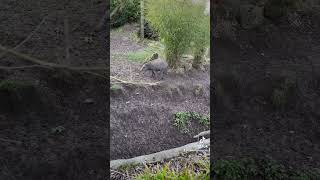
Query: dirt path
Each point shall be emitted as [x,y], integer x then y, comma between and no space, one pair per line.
[142,118]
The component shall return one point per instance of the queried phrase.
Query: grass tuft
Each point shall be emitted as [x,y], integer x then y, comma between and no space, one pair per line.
[183,119]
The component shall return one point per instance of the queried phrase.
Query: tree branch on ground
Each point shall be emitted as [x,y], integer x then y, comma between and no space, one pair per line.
[11,141]
[160,156]
[48,65]
[27,38]
[204,133]
[134,83]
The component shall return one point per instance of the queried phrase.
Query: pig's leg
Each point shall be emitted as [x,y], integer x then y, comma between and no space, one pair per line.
[153,74]
[161,74]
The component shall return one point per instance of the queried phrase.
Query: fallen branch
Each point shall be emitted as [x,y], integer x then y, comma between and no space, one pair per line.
[22,67]
[160,156]
[53,65]
[135,83]
[11,141]
[204,133]
[27,38]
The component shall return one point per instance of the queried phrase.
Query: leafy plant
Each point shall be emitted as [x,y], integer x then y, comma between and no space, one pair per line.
[141,56]
[115,87]
[179,23]
[127,11]
[127,167]
[230,170]
[249,168]
[199,170]
[205,120]
[182,119]
[272,170]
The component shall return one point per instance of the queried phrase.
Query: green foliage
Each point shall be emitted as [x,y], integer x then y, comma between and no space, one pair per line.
[129,11]
[248,168]
[181,25]
[281,95]
[205,120]
[199,171]
[272,170]
[236,170]
[182,120]
[115,87]
[141,56]
[127,167]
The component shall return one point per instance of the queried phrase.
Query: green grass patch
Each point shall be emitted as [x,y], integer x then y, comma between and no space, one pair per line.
[183,119]
[128,167]
[115,87]
[198,170]
[141,56]
[249,168]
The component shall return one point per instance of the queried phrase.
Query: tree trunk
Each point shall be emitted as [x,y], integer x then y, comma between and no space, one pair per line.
[142,19]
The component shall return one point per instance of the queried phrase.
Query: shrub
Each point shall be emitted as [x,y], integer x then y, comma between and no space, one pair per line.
[182,120]
[129,11]
[178,23]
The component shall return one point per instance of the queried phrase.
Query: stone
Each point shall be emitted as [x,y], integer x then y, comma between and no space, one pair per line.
[88,101]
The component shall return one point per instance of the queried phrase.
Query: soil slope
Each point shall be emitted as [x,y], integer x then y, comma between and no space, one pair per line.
[60,132]
[252,74]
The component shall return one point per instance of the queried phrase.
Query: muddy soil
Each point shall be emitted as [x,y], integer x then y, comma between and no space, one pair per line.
[248,72]
[31,145]
[142,117]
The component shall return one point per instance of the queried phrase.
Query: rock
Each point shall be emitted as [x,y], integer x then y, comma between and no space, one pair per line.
[88,101]
[251,16]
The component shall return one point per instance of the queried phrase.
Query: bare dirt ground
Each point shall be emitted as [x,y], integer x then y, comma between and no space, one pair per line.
[62,132]
[142,117]
[247,72]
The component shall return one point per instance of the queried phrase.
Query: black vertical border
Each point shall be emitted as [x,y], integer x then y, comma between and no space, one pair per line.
[212,112]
